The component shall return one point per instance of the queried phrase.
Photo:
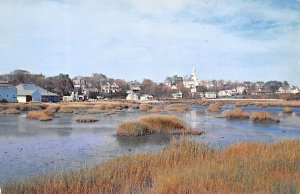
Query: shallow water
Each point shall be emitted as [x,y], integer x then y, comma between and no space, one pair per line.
[29,148]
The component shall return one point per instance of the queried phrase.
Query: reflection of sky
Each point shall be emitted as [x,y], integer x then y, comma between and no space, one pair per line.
[236,40]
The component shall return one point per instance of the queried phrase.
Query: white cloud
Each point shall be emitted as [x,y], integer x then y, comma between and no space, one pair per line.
[174,34]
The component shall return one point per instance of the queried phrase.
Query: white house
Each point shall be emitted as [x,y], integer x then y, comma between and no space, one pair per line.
[8,92]
[132,96]
[146,97]
[240,90]
[110,88]
[225,93]
[288,90]
[177,95]
[191,81]
[210,95]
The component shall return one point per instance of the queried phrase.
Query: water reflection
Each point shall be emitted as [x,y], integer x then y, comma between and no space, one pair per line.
[30,148]
[157,139]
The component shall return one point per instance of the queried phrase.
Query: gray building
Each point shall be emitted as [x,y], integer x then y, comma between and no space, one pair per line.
[32,92]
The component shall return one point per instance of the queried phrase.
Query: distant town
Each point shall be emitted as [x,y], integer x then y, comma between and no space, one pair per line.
[23,86]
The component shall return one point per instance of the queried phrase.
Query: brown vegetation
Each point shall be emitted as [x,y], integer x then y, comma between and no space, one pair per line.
[237,114]
[10,111]
[178,107]
[183,168]
[86,119]
[214,108]
[156,124]
[158,109]
[39,115]
[162,123]
[24,106]
[264,116]
[288,110]
[145,107]
[132,128]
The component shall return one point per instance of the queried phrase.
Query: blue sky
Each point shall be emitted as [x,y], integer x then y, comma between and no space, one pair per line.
[136,39]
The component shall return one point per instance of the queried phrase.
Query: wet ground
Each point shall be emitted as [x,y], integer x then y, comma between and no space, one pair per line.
[29,148]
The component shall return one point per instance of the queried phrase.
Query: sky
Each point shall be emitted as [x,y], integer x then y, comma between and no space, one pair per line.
[136,39]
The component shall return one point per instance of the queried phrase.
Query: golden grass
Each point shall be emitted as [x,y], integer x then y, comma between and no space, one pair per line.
[86,119]
[237,114]
[293,103]
[264,116]
[186,167]
[51,109]
[145,107]
[243,103]
[156,124]
[24,106]
[162,123]
[132,128]
[158,109]
[288,110]
[39,115]
[214,108]
[93,107]
[178,107]
[10,111]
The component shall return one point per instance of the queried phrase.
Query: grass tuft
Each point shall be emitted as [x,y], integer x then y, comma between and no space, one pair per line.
[10,111]
[288,110]
[178,107]
[145,107]
[39,115]
[237,114]
[214,108]
[86,119]
[158,109]
[132,128]
[264,116]
[162,123]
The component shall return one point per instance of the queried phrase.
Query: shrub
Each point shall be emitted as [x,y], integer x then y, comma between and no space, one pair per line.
[39,115]
[52,109]
[178,107]
[10,111]
[288,110]
[86,119]
[214,108]
[132,128]
[158,109]
[237,114]
[264,116]
[145,107]
[162,123]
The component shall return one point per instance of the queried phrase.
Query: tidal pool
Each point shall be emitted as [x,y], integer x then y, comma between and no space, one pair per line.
[29,148]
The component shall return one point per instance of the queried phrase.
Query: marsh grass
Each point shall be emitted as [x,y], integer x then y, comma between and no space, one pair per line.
[86,119]
[24,106]
[162,123]
[159,108]
[184,167]
[149,124]
[288,110]
[264,116]
[132,128]
[178,107]
[145,107]
[10,111]
[39,115]
[214,108]
[237,114]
